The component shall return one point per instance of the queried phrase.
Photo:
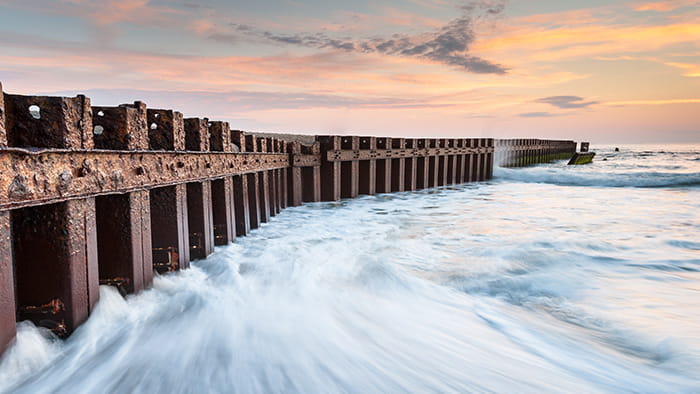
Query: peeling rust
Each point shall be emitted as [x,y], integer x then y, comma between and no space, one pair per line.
[101,172]
[19,189]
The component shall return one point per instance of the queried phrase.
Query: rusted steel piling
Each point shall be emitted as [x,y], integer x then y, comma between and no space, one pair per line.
[524,152]
[110,195]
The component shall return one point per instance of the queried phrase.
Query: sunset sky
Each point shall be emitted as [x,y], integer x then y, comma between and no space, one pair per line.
[599,70]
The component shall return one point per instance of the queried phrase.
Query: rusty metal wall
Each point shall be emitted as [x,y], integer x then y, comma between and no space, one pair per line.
[82,187]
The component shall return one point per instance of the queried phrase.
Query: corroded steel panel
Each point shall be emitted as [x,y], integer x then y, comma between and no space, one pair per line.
[166,130]
[368,168]
[220,137]
[398,165]
[242,209]
[370,154]
[3,132]
[124,241]
[350,170]
[197,134]
[120,128]
[56,260]
[7,286]
[200,219]
[171,250]
[330,170]
[223,210]
[306,160]
[39,177]
[48,122]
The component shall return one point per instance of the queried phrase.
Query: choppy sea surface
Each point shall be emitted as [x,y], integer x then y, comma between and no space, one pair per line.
[551,278]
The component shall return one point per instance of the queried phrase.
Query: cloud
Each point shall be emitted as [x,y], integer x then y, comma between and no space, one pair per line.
[104,15]
[665,6]
[654,102]
[448,44]
[566,102]
[538,115]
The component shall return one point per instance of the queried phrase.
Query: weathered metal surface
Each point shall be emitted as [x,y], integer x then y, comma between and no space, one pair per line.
[220,137]
[398,165]
[368,168]
[294,182]
[3,132]
[197,134]
[166,130]
[350,170]
[433,165]
[410,172]
[451,164]
[39,177]
[200,220]
[369,154]
[124,240]
[254,200]
[522,152]
[223,211]
[55,254]
[384,166]
[306,160]
[120,128]
[241,207]
[421,165]
[330,170]
[7,285]
[171,244]
[311,184]
[264,196]
[48,122]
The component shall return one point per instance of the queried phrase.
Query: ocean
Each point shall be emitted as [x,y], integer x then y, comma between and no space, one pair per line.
[550,278]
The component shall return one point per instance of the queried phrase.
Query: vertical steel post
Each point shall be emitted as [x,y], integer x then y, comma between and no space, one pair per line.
[350,170]
[398,165]
[410,182]
[368,168]
[384,167]
[330,170]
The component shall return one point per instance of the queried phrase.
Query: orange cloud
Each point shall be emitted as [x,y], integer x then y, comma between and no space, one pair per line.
[654,102]
[693,70]
[665,6]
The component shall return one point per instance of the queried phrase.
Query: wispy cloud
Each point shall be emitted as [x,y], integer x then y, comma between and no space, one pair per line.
[566,102]
[665,6]
[538,115]
[449,44]
[654,102]
[104,15]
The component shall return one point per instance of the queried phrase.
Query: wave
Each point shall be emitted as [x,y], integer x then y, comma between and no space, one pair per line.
[573,177]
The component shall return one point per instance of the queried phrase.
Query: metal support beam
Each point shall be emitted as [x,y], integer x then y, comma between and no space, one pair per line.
[223,211]
[350,170]
[330,170]
[56,265]
[240,198]
[384,167]
[398,166]
[170,235]
[124,241]
[7,282]
[200,219]
[368,168]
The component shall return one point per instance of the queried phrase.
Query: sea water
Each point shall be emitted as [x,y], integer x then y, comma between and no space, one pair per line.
[550,278]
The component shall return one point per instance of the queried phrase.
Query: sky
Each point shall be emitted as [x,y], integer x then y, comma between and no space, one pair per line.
[597,70]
